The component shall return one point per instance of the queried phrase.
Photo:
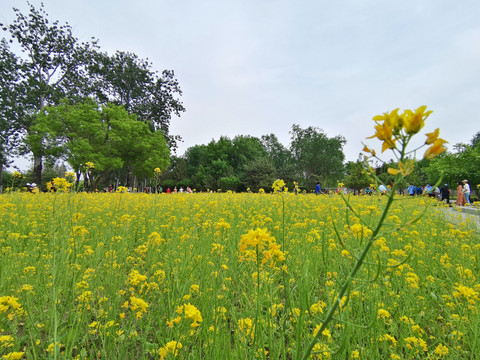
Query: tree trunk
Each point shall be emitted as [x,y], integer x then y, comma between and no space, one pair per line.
[37,158]
[1,178]
[37,170]
[129,177]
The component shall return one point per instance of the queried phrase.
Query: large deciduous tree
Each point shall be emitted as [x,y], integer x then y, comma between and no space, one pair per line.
[317,157]
[9,99]
[107,136]
[125,79]
[52,67]
[259,173]
[357,177]
[280,157]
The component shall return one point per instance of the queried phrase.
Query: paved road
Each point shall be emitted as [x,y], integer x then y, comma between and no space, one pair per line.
[466,214]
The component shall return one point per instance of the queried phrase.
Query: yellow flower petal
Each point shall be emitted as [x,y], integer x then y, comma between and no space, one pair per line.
[431,137]
[393,171]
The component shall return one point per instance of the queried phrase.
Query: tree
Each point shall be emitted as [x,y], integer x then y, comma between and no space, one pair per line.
[318,158]
[53,67]
[232,183]
[476,139]
[9,128]
[106,136]
[457,166]
[246,149]
[280,157]
[259,173]
[357,177]
[125,79]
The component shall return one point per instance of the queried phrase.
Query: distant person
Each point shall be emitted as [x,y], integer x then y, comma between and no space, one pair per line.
[382,188]
[411,190]
[445,193]
[429,190]
[318,189]
[168,190]
[461,201]
[466,191]
[31,187]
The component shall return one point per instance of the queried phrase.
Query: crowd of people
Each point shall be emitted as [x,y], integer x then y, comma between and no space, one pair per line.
[443,193]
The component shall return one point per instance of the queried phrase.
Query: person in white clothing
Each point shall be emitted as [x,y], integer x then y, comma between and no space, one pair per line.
[466,191]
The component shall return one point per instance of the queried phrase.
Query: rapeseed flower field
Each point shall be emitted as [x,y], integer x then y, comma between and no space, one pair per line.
[233,276]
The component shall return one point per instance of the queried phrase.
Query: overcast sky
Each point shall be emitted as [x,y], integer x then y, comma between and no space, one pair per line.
[255,67]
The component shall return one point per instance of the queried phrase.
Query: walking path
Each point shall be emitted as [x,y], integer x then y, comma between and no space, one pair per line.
[466,214]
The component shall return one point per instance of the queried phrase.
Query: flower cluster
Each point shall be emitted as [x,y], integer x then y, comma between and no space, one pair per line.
[60,184]
[11,307]
[17,174]
[278,185]
[136,304]
[172,347]
[396,130]
[192,313]
[70,176]
[259,245]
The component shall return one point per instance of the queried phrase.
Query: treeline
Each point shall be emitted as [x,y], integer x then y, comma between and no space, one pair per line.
[250,162]
[65,99]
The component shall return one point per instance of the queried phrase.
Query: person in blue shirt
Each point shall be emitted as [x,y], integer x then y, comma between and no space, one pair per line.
[429,190]
[318,189]
[382,188]
[411,190]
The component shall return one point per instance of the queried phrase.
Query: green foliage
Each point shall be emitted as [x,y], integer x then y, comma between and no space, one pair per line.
[54,69]
[9,130]
[357,178]
[125,79]
[317,157]
[259,173]
[107,136]
[457,166]
[280,157]
[58,67]
[230,183]
[249,162]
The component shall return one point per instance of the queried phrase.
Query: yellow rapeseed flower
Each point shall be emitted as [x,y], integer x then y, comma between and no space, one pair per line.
[16,355]
[436,148]
[413,122]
